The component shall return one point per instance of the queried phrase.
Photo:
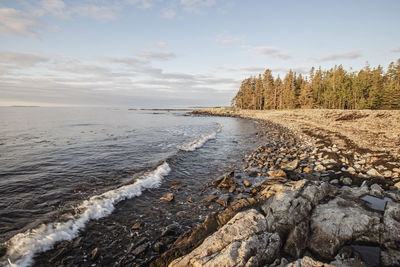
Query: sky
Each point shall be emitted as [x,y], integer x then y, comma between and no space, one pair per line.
[179,53]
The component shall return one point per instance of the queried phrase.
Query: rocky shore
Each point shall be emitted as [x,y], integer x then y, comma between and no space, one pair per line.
[309,195]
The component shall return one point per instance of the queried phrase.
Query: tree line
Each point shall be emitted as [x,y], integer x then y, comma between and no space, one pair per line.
[336,88]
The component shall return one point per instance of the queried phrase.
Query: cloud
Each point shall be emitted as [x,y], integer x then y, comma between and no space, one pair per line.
[344,55]
[161,44]
[129,61]
[225,38]
[20,60]
[243,69]
[196,5]
[145,4]
[156,55]
[53,7]
[168,13]
[396,49]
[271,52]
[102,13]
[15,22]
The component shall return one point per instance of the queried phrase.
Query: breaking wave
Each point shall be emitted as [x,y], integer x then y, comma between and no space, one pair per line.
[23,246]
[199,142]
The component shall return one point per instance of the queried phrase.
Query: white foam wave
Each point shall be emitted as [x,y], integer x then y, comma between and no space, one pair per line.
[22,247]
[199,142]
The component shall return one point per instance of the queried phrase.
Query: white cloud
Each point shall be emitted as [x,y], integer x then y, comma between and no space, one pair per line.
[270,51]
[336,56]
[396,49]
[20,60]
[168,13]
[53,7]
[15,22]
[161,44]
[225,38]
[196,5]
[243,69]
[145,4]
[156,55]
[103,13]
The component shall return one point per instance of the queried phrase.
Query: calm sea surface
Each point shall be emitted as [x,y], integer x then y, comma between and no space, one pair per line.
[61,168]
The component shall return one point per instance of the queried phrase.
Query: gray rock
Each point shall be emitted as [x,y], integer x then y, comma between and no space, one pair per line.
[334,181]
[340,221]
[308,262]
[243,241]
[376,191]
[223,200]
[347,181]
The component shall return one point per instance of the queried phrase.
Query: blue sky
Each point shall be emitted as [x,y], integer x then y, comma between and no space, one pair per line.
[158,53]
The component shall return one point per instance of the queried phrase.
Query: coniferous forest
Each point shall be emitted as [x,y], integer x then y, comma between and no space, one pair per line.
[336,88]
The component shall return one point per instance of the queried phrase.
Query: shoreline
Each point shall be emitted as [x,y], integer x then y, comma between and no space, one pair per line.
[318,171]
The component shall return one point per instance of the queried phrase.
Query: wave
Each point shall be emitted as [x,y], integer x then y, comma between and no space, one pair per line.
[22,247]
[199,142]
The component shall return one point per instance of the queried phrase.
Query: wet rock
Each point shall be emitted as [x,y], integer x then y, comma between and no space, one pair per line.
[158,246]
[210,198]
[223,200]
[347,181]
[308,262]
[94,253]
[242,241]
[140,249]
[169,197]
[170,229]
[373,172]
[137,226]
[339,221]
[376,191]
[290,166]
[246,183]
[277,173]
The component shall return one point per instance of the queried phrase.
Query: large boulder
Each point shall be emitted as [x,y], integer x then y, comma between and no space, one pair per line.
[243,241]
[340,221]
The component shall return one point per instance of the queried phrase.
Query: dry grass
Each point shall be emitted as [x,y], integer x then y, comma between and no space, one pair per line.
[369,130]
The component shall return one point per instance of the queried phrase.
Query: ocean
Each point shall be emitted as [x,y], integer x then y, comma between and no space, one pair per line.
[86,175]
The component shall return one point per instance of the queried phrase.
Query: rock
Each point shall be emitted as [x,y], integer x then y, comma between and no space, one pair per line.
[158,246]
[391,234]
[137,226]
[94,253]
[169,197]
[338,222]
[290,166]
[396,169]
[246,183]
[277,173]
[190,199]
[210,198]
[334,181]
[397,185]
[140,249]
[242,241]
[297,240]
[319,167]
[347,181]
[223,200]
[387,174]
[390,257]
[373,172]
[308,262]
[170,229]
[307,169]
[376,191]
[351,170]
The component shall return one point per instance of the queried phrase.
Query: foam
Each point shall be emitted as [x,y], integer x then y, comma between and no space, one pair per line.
[23,246]
[199,142]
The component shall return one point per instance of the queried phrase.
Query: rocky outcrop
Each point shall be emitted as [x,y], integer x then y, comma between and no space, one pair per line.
[243,241]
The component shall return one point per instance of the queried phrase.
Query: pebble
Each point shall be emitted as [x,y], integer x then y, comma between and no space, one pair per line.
[347,181]
[319,168]
[94,253]
[387,174]
[136,226]
[169,197]
[334,181]
[373,172]
[277,173]
[246,183]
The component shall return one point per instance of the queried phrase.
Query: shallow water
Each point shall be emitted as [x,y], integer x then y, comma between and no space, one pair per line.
[69,172]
